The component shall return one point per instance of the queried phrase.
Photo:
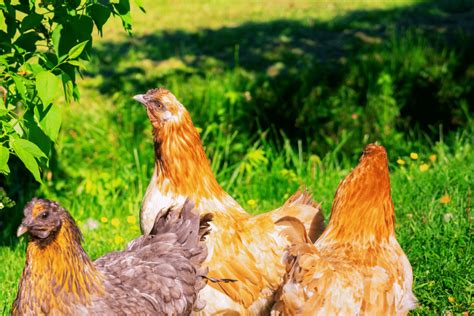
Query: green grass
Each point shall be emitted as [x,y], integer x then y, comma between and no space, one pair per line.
[283,99]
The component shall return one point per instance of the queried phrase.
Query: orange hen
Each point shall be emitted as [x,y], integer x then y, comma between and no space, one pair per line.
[356,266]
[242,247]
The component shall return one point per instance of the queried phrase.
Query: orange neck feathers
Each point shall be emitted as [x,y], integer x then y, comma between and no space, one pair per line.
[363,209]
[181,163]
[59,272]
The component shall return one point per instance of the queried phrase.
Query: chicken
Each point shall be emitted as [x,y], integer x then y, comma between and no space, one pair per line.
[158,274]
[242,247]
[357,266]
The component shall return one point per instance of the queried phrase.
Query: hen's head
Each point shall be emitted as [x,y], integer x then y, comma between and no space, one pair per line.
[162,106]
[42,219]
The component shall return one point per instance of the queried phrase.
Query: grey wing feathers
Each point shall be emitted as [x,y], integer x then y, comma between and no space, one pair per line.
[160,273]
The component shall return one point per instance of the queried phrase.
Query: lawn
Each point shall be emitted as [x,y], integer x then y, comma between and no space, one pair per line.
[285,94]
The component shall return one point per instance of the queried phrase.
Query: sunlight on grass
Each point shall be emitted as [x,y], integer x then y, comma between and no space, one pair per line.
[194,15]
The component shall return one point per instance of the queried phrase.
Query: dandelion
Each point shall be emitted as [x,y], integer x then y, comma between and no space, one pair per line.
[414,156]
[433,158]
[451,299]
[115,222]
[401,162]
[104,219]
[131,219]
[445,199]
[118,239]
[424,167]
[199,130]
[251,202]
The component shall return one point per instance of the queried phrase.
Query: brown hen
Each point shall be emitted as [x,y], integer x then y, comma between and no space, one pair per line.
[158,274]
[242,247]
[357,266]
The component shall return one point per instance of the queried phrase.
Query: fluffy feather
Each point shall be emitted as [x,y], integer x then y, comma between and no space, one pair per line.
[356,266]
[246,248]
[158,274]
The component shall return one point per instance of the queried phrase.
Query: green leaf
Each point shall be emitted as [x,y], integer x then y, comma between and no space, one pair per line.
[3,25]
[30,21]
[67,86]
[4,155]
[100,14]
[77,63]
[27,41]
[30,147]
[20,86]
[27,151]
[47,85]
[75,30]
[76,51]
[34,68]
[56,37]
[51,122]
[123,10]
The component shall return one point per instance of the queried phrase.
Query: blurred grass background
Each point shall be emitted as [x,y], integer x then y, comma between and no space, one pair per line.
[285,93]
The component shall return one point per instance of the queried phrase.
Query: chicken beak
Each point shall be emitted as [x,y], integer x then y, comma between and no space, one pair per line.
[140,98]
[21,230]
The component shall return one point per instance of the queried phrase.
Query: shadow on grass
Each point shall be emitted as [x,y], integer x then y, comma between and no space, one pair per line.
[364,76]
[319,79]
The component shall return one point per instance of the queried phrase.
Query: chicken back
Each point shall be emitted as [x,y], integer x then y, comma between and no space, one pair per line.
[357,266]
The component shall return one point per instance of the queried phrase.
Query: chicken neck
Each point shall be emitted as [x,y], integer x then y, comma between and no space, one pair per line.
[58,270]
[363,209]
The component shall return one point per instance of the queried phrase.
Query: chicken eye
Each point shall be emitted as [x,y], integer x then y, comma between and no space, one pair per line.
[44,215]
[158,105]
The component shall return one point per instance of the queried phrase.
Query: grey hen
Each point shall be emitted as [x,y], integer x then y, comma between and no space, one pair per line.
[158,274]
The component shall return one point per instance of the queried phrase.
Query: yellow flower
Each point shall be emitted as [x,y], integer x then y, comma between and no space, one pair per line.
[118,239]
[251,202]
[451,299]
[433,158]
[401,162]
[414,156]
[445,199]
[424,167]
[315,159]
[104,219]
[199,130]
[115,222]
[131,219]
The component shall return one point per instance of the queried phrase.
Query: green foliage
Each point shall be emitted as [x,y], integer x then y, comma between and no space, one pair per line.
[42,45]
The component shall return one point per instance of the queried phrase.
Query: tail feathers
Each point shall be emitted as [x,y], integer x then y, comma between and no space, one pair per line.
[184,223]
[317,226]
[294,230]
[302,206]
[302,197]
[190,231]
